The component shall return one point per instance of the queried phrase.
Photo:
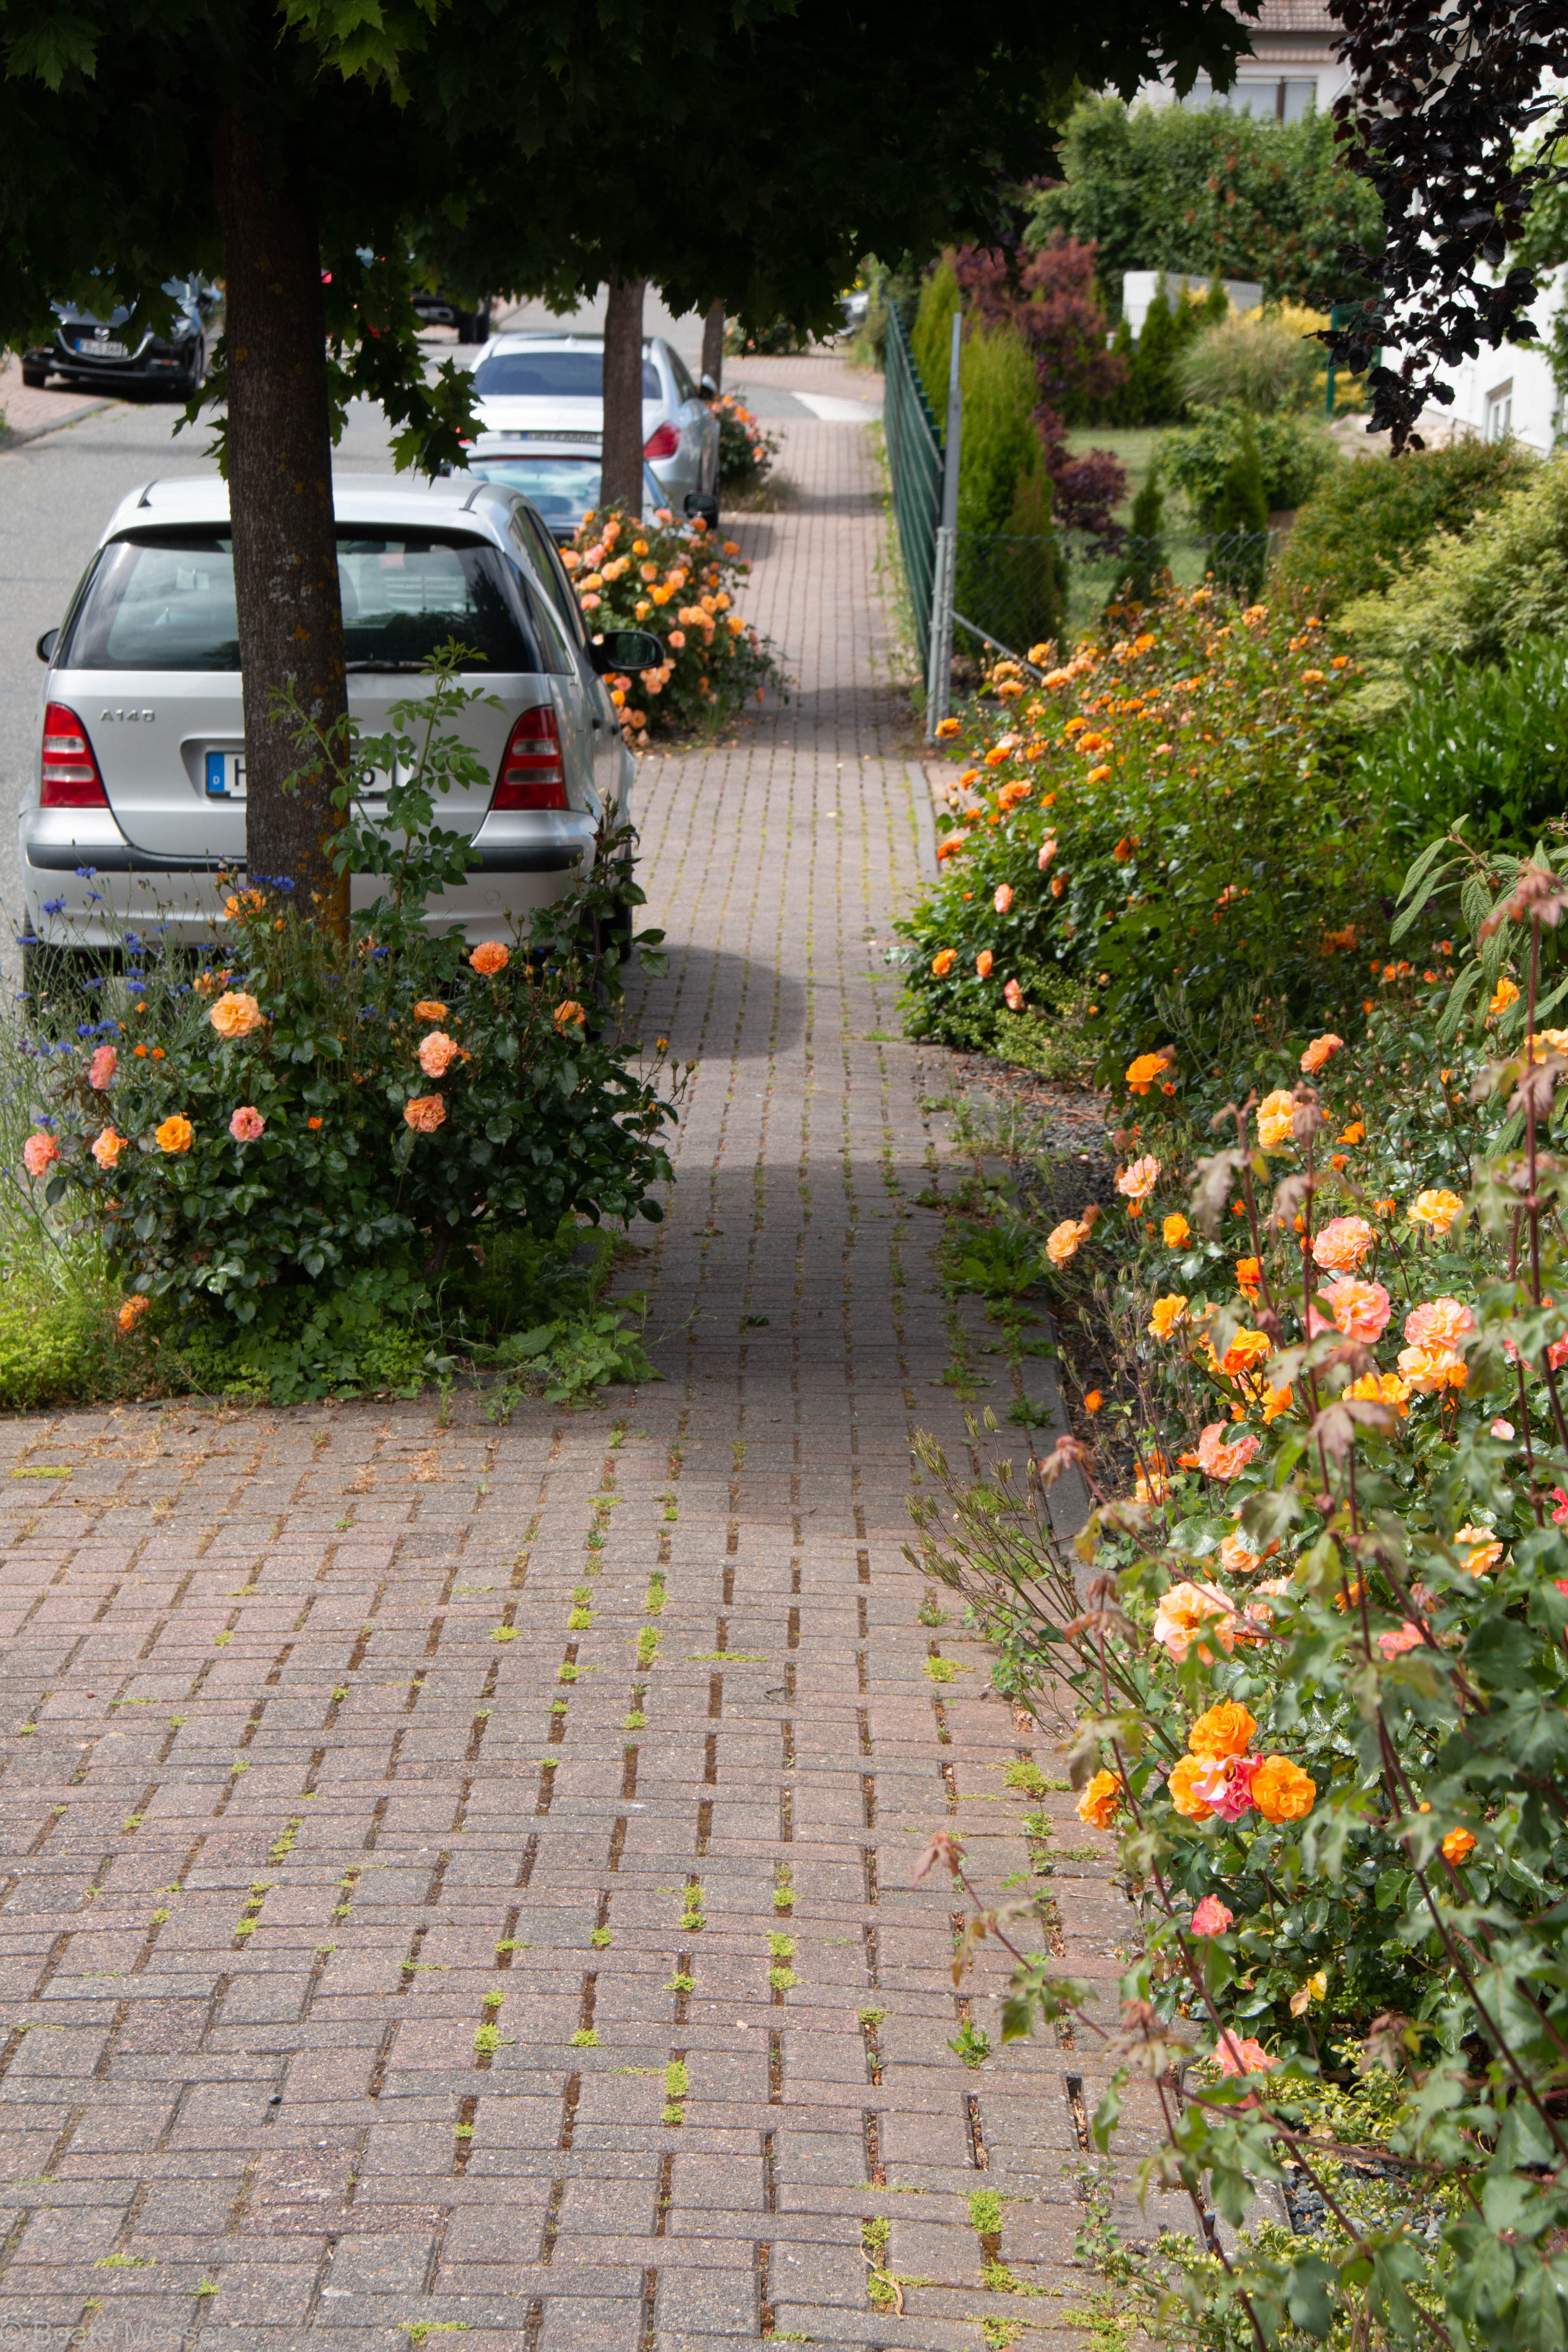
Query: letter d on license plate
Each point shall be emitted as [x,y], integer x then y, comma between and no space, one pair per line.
[226,775]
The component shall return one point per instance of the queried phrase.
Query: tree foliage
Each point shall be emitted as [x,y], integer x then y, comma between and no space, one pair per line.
[1210,193]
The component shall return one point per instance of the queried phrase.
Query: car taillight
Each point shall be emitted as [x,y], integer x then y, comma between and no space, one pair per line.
[532,776]
[662,442]
[71,776]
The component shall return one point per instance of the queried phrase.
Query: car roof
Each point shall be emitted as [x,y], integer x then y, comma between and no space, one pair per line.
[484,508]
[542,339]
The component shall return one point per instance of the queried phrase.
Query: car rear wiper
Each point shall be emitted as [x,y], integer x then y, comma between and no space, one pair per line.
[350,666]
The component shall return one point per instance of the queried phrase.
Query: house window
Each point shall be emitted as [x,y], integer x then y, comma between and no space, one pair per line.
[1280,101]
[1500,412]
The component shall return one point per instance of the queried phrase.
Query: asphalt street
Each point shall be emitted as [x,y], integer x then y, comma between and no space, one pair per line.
[56,495]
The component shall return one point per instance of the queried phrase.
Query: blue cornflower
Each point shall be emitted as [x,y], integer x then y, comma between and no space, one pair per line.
[86,873]
[95,897]
[54,906]
[86,1029]
[26,938]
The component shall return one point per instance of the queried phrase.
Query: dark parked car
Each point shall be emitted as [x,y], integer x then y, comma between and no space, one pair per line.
[114,351]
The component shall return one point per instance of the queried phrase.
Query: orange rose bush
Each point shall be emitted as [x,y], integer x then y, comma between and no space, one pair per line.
[401,1123]
[1317,1630]
[682,581]
[1147,836]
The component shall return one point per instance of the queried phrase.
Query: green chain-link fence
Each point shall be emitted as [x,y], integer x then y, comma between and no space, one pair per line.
[914,462]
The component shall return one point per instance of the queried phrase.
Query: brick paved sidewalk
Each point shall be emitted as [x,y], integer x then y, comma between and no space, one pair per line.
[458,1878]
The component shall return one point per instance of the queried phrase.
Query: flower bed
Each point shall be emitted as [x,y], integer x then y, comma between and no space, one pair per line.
[1319,1653]
[682,581]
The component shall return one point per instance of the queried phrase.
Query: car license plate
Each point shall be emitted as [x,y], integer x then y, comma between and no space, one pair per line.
[226,775]
[97,351]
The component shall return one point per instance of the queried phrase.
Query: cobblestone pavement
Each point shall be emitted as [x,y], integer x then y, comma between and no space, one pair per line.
[458,1877]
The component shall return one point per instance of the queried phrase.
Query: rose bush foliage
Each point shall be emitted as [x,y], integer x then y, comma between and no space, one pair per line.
[1318,1637]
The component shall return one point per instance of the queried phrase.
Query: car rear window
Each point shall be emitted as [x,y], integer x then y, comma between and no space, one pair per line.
[552,375]
[164,601]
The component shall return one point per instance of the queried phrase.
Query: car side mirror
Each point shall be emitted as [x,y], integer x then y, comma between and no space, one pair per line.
[702,507]
[625,649]
[708,388]
[45,648]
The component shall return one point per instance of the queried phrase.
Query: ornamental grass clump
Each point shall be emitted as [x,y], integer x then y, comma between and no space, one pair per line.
[1317,1634]
[680,581]
[401,1124]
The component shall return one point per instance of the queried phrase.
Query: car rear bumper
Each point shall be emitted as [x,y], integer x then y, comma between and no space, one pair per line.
[78,863]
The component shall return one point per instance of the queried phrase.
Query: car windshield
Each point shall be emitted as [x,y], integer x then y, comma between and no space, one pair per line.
[552,375]
[562,489]
[164,601]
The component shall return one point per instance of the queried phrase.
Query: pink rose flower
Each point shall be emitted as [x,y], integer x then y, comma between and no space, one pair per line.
[102,1067]
[40,1153]
[1004,897]
[1360,1309]
[1226,1786]
[1013,996]
[1242,2057]
[1438,1323]
[1407,1638]
[1212,1916]
[247,1125]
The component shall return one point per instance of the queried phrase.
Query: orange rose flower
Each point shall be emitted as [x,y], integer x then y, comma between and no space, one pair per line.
[176,1134]
[428,1010]
[1166,1314]
[941,963]
[437,1052]
[1248,1348]
[108,1148]
[982,963]
[1097,1806]
[1143,1073]
[235,1014]
[1456,1845]
[1175,1230]
[1320,1051]
[568,1015]
[424,1114]
[1224,1730]
[133,1308]
[1275,1118]
[488,958]
[1282,1792]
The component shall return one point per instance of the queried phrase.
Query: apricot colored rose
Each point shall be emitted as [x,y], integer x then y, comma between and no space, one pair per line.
[39,1151]
[1320,1051]
[102,1068]
[1341,1245]
[489,957]
[1184,1772]
[424,1114]
[133,1307]
[235,1014]
[1276,1119]
[108,1146]
[437,1053]
[1212,1916]
[428,1010]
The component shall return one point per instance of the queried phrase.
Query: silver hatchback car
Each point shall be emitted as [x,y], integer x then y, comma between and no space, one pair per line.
[540,387]
[137,800]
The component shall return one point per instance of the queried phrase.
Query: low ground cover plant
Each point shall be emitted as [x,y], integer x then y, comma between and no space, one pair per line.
[680,581]
[1316,1639]
[303,1159]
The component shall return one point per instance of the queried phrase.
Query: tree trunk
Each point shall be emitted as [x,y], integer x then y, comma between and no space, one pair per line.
[713,346]
[622,483]
[288,608]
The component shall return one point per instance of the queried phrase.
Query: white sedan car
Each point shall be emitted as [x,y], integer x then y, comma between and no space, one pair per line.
[136,801]
[550,387]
